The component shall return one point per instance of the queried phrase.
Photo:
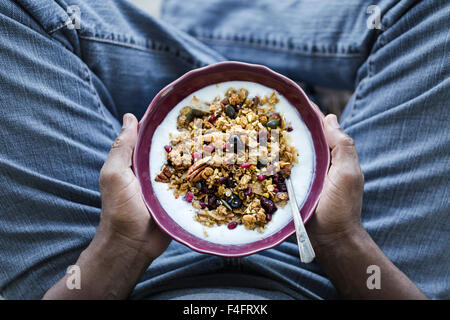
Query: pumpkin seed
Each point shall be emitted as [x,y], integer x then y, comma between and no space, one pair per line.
[230,111]
[273,123]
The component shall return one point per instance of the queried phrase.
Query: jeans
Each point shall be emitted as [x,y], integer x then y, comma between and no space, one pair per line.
[64,89]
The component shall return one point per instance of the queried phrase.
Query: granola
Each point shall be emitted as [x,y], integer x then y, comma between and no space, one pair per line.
[230,158]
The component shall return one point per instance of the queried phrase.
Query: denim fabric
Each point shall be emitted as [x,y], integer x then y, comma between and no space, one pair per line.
[63,91]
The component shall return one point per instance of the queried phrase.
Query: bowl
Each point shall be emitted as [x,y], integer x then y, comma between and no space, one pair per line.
[192,81]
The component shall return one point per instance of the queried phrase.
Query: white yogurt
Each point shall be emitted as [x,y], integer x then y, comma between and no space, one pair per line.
[183,213]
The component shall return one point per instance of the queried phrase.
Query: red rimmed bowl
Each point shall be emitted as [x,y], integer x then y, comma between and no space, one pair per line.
[192,81]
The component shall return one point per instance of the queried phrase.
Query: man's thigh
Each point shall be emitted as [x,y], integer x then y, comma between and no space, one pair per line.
[55,135]
[63,91]
[399,117]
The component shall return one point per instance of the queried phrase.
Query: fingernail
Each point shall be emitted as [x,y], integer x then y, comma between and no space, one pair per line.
[332,121]
[126,120]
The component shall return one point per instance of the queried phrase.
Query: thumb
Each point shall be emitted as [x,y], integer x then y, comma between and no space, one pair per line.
[344,158]
[120,156]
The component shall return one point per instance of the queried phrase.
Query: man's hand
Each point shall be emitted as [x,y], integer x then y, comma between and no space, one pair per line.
[126,241]
[338,213]
[124,214]
[344,249]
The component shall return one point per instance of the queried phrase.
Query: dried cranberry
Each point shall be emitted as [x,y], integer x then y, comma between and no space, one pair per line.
[268,205]
[209,148]
[231,183]
[189,197]
[212,202]
[245,165]
[268,217]
[276,190]
[223,180]
[168,148]
[281,186]
[261,177]
[232,225]
[277,178]
[289,129]
[204,189]
[212,118]
[202,205]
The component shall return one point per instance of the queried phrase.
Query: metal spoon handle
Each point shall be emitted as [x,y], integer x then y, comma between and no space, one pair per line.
[305,248]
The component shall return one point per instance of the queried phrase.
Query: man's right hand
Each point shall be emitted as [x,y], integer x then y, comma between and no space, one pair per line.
[338,213]
[344,248]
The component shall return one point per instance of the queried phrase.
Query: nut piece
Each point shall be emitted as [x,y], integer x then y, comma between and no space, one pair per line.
[282,196]
[207,172]
[242,93]
[164,175]
[286,171]
[248,218]
[194,172]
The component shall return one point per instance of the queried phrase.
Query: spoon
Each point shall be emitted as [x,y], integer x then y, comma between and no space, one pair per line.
[305,248]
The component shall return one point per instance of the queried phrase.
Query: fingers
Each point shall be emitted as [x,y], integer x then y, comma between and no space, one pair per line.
[334,134]
[121,152]
[343,150]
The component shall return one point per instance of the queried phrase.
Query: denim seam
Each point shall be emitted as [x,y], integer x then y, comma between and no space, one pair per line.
[57,28]
[88,79]
[176,53]
[370,73]
[379,43]
[165,49]
[97,99]
[115,42]
[357,96]
[277,47]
